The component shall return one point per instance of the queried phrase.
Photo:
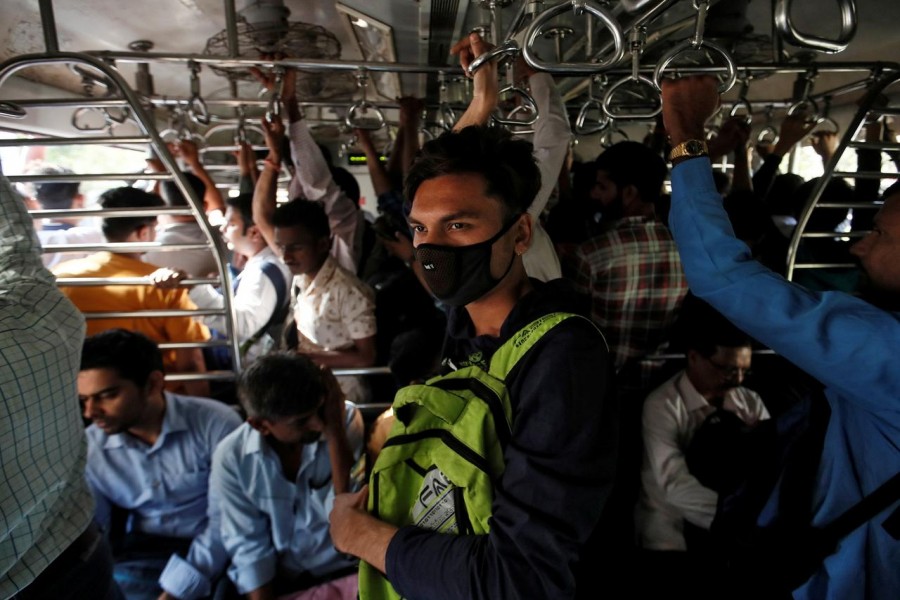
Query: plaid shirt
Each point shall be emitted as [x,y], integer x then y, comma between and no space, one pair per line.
[634,278]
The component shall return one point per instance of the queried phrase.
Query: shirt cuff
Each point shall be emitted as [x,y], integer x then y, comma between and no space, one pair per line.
[181,579]
[253,575]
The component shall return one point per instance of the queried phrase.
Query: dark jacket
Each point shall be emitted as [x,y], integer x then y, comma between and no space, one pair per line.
[559,468]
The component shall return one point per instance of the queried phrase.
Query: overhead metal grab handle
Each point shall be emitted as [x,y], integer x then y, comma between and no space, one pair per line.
[824,119]
[508,49]
[446,115]
[357,115]
[787,30]
[528,107]
[240,133]
[273,110]
[768,134]
[592,103]
[607,138]
[697,43]
[580,7]
[742,103]
[197,109]
[79,124]
[11,110]
[638,36]
[802,89]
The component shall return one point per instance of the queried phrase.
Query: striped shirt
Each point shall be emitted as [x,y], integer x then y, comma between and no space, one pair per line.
[634,278]
[44,500]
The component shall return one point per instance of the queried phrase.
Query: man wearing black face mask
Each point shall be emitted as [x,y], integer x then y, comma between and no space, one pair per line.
[469,192]
[632,271]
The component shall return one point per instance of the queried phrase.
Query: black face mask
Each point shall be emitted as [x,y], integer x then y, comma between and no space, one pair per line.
[458,275]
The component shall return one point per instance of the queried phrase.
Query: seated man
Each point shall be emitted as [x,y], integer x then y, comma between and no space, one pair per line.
[470,192]
[632,272]
[61,195]
[136,297]
[149,455]
[718,358]
[261,290]
[276,477]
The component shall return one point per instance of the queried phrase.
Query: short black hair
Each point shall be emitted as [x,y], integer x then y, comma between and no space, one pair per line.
[304,213]
[703,328]
[280,385]
[345,180]
[507,165]
[633,163]
[54,195]
[243,204]
[132,355]
[172,195]
[116,229]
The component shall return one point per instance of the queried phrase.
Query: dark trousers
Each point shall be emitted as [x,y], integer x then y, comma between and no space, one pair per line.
[84,571]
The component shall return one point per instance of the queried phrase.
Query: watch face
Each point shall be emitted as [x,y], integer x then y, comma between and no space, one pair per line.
[694,147]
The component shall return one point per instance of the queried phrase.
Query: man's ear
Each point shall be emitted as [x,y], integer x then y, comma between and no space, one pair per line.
[259,424]
[630,194]
[156,383]
[523,233]
[254,234]
[78,201]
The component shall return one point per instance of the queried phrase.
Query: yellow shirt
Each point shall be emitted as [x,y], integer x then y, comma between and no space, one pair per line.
[130,298]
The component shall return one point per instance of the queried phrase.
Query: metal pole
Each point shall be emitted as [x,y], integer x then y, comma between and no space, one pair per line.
[48,23]
[231,29]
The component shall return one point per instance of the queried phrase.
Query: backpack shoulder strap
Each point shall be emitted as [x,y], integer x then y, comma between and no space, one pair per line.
[511,352]
[271,271]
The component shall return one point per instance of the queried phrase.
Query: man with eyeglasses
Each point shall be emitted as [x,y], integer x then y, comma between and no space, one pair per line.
[718,359]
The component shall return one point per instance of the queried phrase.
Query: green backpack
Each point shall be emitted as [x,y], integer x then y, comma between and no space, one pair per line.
[445,450]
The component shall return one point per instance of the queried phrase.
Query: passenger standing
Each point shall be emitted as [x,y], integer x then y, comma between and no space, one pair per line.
[470,192]
[848,343]
[49,547]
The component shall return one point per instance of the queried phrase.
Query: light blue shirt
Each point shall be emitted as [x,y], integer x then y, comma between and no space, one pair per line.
[844,342]
[164,487]
[270,524]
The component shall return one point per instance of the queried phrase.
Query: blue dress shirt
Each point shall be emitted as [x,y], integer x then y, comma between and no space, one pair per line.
[165,486]
[271,525]
[844,342]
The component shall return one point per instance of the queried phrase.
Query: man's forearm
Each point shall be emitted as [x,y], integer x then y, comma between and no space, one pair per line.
[263,205]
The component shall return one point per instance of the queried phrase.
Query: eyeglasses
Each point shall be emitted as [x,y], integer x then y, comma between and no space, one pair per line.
[728,370]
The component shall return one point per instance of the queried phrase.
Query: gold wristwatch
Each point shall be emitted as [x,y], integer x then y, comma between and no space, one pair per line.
[689,149]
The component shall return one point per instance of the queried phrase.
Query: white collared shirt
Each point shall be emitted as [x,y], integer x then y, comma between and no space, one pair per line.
[669,493]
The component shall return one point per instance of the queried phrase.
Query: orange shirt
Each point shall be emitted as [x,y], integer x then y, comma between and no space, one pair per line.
[130,298]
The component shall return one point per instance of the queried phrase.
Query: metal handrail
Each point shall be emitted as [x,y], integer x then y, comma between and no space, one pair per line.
[154,314]
[697,43]
[637,47]
[866,105]
[579,6]
[123,247]
[92,281]
[57,141]
[91,177]
[84,213]
[140,116]
[786,27]
[528,107]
